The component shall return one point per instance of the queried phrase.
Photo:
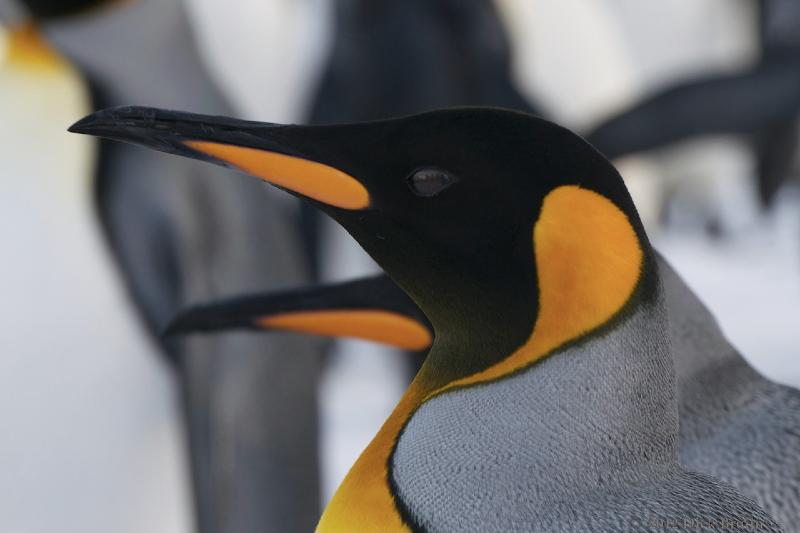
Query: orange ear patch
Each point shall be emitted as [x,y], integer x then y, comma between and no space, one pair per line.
[380,326]
[588,260]
[309,178]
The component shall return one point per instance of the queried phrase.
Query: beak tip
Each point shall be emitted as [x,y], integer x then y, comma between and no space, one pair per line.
[94,123]
[112,119]
[83,125]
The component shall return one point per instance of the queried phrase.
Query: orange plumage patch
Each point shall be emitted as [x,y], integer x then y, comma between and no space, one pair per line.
[588,260]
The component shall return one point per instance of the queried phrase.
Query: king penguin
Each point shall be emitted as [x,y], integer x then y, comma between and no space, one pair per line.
[167,237]
[547,401]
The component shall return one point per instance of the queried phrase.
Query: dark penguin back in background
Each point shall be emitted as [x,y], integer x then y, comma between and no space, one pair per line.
[398,58]
[780,24]
[777,145]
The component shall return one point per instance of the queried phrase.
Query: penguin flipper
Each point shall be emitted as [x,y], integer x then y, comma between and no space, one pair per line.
[372,308]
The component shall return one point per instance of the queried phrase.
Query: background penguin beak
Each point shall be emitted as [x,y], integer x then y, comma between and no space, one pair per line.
[372,309]
[376,325]
[242,313]
[255,148]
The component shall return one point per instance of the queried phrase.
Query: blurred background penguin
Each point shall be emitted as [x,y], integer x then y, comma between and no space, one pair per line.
[109,424]
[174,242]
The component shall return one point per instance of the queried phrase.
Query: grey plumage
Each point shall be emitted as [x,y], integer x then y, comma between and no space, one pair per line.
[735,424]
[192,237]
[584,440]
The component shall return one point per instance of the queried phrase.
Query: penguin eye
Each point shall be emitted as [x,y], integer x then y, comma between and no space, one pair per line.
[429,182]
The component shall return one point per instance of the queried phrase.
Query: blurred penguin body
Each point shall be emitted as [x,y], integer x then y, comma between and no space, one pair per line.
[249,457]
[397,58]
[570,56]
[266,55]
[91,438]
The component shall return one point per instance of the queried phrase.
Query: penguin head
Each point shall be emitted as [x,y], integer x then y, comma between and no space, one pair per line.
[445,201]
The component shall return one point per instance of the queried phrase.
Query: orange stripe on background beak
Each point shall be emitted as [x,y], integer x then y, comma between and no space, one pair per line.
[379,326]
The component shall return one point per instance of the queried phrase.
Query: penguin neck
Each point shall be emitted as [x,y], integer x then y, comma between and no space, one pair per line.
[601,382]
[635,334]
[593,415]
[477,323]
[162,66]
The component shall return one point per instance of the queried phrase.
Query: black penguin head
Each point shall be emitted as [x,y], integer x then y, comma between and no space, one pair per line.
[445,201]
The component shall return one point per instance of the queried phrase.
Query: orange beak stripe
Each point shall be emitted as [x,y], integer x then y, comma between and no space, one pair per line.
[380,326]
[308,178]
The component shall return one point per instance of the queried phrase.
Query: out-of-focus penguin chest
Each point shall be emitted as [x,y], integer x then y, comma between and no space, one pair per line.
[81,389]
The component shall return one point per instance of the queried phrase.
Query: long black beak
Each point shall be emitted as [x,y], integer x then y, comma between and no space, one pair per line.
[370,308]
[271,152]
[167,131]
